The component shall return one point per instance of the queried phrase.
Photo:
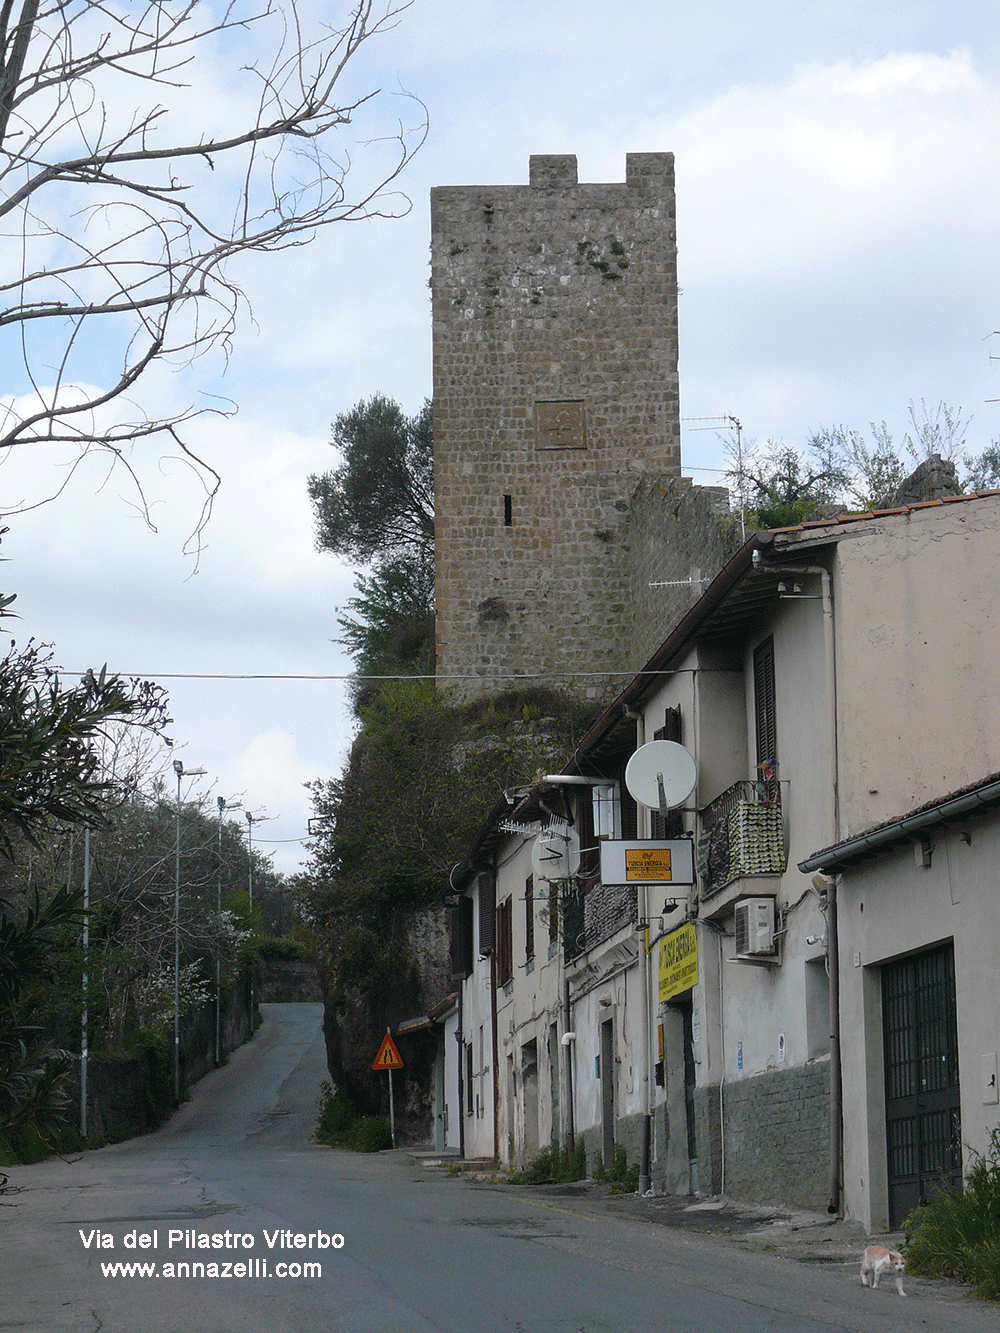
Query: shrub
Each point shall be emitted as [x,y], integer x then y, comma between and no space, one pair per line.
[957,1234]
[282,947]
[371,1134]
[340,1125]
[555,1166]
[624,1178]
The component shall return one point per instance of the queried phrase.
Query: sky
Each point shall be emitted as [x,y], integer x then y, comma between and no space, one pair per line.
[838,216]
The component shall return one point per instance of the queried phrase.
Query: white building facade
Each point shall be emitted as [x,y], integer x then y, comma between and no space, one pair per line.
[832,677]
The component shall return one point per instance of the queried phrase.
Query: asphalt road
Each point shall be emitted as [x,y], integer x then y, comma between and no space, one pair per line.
[419,1251]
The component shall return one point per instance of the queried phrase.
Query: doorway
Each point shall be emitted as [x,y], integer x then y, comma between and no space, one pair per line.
[922,1093]
[554,1084]
[529,1093]
[608,1091]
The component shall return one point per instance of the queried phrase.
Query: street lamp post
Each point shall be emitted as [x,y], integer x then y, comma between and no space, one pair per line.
[223,805]
[250,824]
[181,772]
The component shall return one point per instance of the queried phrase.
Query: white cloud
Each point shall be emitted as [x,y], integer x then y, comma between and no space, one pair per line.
[837,241]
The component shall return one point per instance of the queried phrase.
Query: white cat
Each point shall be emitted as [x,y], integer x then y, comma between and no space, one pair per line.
[878,1260]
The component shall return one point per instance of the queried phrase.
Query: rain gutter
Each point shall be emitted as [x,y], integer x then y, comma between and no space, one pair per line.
[844,854]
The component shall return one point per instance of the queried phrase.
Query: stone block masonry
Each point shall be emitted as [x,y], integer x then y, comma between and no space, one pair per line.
[777,1137]
[555,392]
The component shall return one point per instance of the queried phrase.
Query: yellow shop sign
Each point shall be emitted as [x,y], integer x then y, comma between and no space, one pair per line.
[678,962]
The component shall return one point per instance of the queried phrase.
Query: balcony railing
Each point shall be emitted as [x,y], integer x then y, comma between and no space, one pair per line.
[593,913]
[742,834]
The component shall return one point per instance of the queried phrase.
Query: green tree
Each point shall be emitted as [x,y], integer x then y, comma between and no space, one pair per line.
[52,738]
[783,490]
[983,470]
[391,630]
[32,1069]
[868,473]
[379,503]
[377,508]
[421,778]
[841,469]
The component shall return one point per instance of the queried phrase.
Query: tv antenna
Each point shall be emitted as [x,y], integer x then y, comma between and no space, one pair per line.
[556,852]
[736,425]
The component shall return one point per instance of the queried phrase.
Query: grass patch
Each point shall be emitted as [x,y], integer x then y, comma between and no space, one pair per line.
[341,1126]
[555,1166]
[957,1234]
[624,1178]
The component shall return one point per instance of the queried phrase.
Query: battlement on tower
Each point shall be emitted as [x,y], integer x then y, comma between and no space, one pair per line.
[555,392]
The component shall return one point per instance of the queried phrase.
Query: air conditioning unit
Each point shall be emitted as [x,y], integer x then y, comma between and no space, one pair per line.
[755,928]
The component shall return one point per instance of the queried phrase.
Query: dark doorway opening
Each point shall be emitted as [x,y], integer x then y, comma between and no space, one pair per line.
[922,1096]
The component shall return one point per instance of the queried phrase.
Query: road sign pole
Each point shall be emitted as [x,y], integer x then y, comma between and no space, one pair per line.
[387,1060]
[392,1113]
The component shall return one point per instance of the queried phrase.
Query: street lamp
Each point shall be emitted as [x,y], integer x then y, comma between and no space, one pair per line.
[223,805]
[251,820]
[250,824]
[181,772]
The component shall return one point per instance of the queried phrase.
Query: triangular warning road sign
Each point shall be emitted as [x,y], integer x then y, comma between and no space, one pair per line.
[388,1056]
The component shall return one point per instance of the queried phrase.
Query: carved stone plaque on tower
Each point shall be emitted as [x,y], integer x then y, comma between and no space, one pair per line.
[560,425]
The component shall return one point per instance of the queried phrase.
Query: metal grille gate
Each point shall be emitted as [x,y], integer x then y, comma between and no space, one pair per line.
[923,1119]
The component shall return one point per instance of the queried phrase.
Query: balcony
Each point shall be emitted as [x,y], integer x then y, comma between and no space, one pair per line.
[593,913]
[742,834]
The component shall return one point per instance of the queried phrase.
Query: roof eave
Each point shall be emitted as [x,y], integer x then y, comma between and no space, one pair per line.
[851,851]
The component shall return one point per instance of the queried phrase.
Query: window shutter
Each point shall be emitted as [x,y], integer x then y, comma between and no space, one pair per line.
[529,918]
[505,942]
[461,939]
[671,825]
[486,889]
[671,729]
[764,703]
[455,936]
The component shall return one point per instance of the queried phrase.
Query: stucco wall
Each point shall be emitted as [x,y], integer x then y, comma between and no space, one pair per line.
[908,908]
[918,631]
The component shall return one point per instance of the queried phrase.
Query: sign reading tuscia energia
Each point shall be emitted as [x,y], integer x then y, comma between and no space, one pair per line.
[678,962]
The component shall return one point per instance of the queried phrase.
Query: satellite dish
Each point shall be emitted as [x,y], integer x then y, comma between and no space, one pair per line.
[556,852]
[660,775]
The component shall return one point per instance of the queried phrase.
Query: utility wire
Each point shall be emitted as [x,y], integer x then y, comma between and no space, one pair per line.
[353,675]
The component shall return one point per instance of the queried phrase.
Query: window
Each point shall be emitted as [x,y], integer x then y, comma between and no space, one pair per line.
[508,511]
[486,892]
[764,706]
[553,913]
[461,939]
[505,942]
[529,918]
[468,1078]
[590,861]
[481,1100]
[672,824]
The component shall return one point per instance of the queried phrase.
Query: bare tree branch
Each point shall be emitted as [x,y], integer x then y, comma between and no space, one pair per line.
[119,218]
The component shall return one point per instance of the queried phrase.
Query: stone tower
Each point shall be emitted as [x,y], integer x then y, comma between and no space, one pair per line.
[555,391]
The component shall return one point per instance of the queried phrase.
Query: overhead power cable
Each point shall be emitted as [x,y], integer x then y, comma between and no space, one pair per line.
[353,675]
